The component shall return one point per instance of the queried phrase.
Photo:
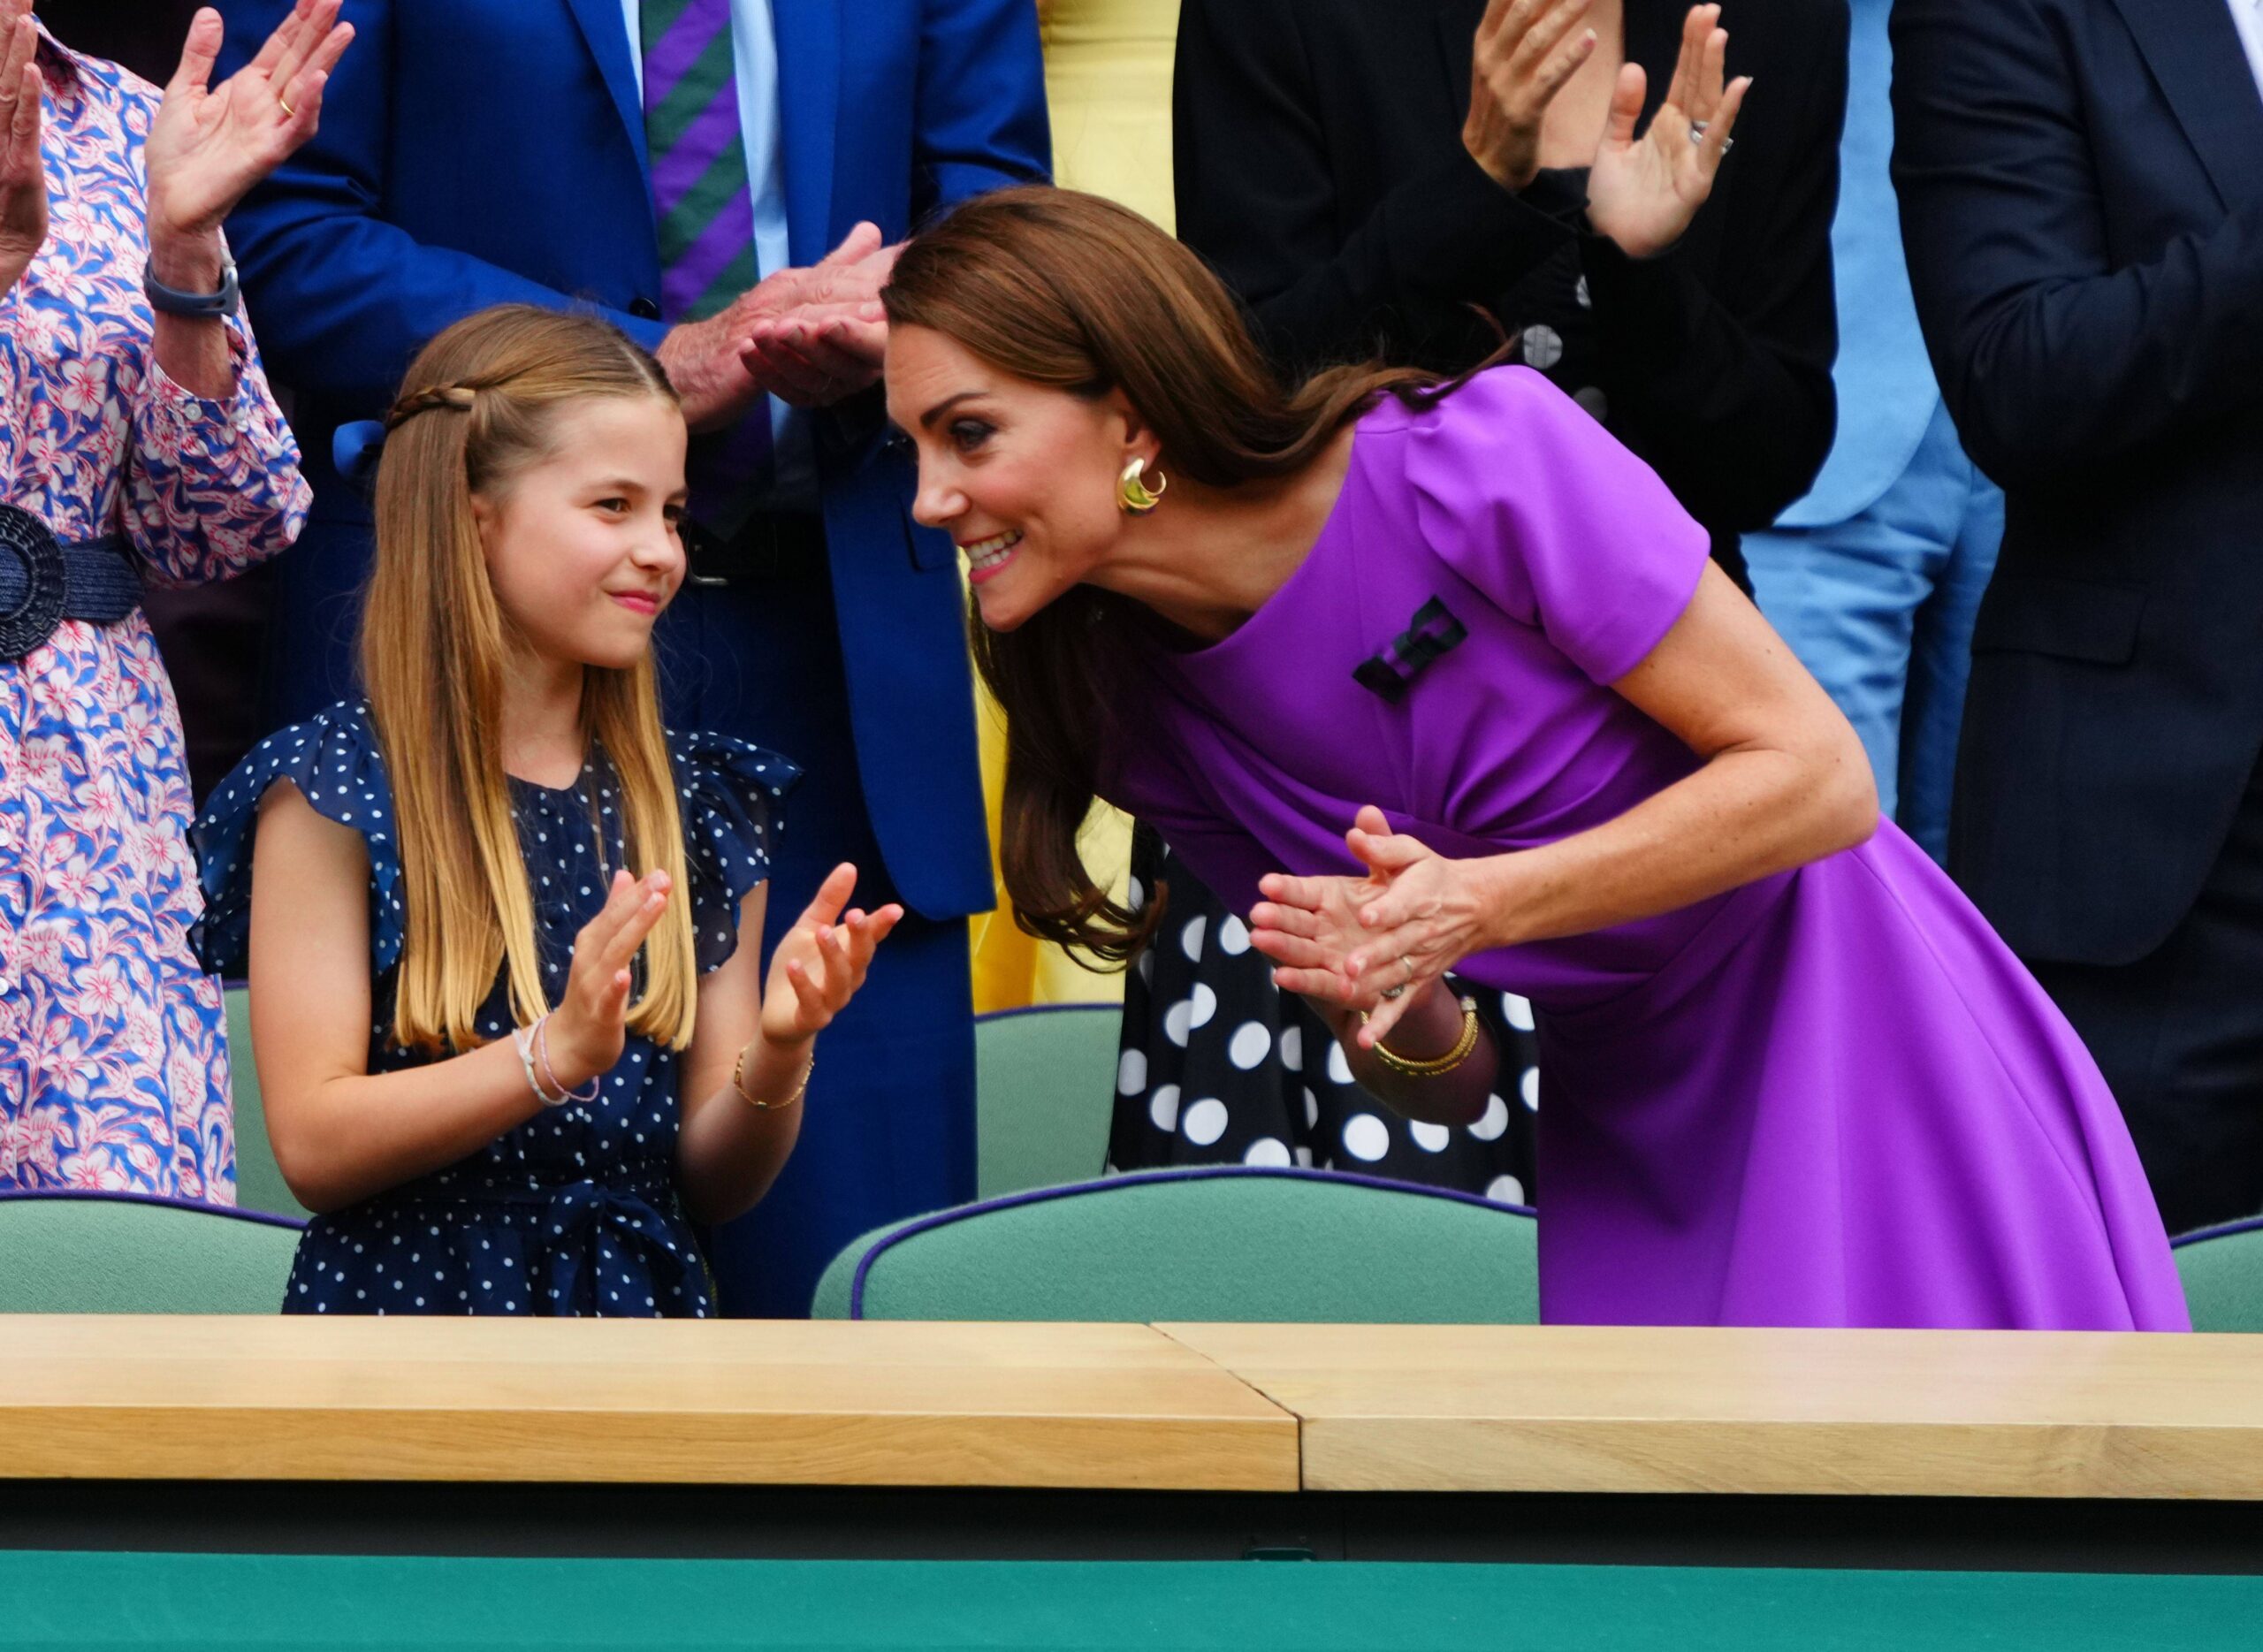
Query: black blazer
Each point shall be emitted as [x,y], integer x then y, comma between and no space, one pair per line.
[1320,168]
[2082,200]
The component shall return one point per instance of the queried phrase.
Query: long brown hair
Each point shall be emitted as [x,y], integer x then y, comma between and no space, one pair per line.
[1076,293]
[480,404]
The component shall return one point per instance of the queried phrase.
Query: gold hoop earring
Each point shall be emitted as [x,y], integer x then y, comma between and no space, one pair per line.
[1134,496]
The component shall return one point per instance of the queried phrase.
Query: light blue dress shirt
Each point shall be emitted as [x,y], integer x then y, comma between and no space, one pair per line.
[1885,380]
[754,52]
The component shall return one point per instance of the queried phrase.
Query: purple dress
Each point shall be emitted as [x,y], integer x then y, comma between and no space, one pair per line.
[1832,1097]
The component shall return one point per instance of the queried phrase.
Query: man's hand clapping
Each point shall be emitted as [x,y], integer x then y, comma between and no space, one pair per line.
[811,336]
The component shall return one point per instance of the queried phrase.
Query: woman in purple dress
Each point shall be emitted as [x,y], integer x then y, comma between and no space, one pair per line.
[1428,678]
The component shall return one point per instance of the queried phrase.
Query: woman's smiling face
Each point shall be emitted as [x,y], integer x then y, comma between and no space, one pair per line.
[1021,476]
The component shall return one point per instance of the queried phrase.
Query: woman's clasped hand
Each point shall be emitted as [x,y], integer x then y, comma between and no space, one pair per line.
[1379,942]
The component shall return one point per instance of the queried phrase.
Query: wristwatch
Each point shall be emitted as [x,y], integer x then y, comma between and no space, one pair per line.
[200,306]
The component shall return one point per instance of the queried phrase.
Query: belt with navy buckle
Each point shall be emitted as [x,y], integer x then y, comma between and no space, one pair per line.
[44,581]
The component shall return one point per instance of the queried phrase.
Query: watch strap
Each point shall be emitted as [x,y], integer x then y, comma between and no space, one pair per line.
[200,306]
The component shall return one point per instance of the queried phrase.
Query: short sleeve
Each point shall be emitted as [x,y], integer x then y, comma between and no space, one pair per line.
[334,761]
[1520,491]
[729,794]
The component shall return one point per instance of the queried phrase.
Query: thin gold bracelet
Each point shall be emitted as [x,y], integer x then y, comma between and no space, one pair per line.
[738,1083]
[1436,1064]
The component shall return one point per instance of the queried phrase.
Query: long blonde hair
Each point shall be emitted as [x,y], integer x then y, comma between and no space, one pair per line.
[479,405]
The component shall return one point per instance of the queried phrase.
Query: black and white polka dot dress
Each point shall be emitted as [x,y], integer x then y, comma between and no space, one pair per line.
[575,1212]
[1219,1066]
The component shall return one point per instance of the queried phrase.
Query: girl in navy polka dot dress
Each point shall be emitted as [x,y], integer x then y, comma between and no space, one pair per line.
[510,1045]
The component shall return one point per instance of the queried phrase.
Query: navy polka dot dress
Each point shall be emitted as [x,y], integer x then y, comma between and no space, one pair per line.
[575,1212]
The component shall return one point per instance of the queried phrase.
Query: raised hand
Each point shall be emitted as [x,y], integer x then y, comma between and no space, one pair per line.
[590,1024]
[1522,58]
[1644,191]
[23,176]
[1379,942]
[821,962]
[208,145]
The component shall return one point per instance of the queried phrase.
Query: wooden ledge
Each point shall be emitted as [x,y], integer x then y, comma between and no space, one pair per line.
[752,1402]
[1589,1409]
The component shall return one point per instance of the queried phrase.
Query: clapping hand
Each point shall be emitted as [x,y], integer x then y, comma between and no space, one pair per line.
[1522,58]
[1379,942]
[589,1027]
[821,962]
[208,145]
[811,336]
[1644,191]
[23,175]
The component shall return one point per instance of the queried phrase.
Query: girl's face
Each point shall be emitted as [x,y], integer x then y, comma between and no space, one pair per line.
[582,546]
[1023,477]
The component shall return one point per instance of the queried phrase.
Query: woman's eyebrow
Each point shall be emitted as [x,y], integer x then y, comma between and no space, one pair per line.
[927,419]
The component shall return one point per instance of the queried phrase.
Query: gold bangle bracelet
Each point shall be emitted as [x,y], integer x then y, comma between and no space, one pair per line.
[1436,1064]
[738,1083]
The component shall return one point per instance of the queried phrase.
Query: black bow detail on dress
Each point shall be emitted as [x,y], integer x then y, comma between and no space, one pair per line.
[1433,632]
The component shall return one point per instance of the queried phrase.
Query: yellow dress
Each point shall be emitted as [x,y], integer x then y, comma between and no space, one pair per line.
[1108,79]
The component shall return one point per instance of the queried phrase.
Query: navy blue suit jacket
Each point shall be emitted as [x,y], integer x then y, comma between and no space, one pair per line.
[2081,185]
[479,152]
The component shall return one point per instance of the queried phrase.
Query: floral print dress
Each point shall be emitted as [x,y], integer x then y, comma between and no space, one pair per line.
[113,1051]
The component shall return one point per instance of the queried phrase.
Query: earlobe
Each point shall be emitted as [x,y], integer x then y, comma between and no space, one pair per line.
[483,518]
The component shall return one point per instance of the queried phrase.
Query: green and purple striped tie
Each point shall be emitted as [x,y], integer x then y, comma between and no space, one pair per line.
[705,211]
[699,181]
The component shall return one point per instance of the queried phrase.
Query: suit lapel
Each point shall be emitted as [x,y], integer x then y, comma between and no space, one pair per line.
[809,102]
[607,31]
[2194,50]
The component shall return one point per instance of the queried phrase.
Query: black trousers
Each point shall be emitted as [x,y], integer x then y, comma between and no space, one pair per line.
[2179,1034]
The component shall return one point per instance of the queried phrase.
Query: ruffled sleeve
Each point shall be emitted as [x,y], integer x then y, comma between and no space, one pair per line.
[333,759]
[1521,492]
[729,793]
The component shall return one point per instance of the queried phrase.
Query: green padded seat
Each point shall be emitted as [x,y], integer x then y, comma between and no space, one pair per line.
[1223,1243]
[259,1181]
[2222,1270]
[128,1253]
[1044,1089]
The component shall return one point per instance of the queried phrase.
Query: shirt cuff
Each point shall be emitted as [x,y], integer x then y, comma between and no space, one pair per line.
[168,399]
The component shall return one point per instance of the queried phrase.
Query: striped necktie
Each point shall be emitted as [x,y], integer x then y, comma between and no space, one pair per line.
[699,181]
[705,210]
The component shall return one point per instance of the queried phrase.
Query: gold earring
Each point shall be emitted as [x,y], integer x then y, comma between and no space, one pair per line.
[1134,495]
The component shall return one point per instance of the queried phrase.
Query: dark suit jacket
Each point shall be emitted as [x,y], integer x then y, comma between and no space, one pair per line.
[1320,168]
[475,152]
[2082,200]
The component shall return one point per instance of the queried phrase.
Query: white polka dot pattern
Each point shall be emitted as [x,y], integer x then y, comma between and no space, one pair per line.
[574,1211]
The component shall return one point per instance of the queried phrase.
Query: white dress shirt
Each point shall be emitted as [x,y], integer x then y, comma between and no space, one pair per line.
[2247,18]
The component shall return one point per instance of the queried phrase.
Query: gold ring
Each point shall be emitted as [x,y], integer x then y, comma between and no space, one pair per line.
[282,102]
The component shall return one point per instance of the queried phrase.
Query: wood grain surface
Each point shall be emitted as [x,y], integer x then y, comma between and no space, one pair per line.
[1950,1413]
[759,1402]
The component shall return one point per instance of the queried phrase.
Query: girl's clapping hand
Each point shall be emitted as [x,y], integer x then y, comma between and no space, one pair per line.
[591,1025]
[821,961]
